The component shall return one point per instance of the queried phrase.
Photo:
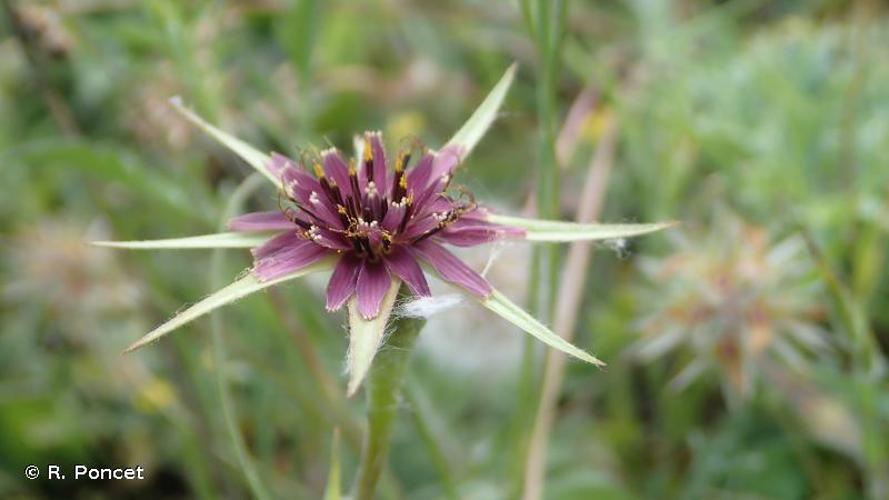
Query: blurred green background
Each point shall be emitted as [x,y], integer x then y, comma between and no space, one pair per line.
[745,348]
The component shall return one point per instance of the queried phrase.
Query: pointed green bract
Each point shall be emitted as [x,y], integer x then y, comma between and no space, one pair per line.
[254,157]
[365,337]
[475,127]
[509,311]
[559,231]
[238,289]
[218,240]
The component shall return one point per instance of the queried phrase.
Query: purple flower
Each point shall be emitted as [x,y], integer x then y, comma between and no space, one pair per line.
[375,221]
[379,217]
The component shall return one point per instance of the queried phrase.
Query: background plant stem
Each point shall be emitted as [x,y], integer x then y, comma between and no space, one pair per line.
[422,414]
[257,488]
[545,20]
[383,386]
[567,308]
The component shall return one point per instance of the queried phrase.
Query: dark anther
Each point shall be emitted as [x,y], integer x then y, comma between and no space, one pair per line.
[408,208]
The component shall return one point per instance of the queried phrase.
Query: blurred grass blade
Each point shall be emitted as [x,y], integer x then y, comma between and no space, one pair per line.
[248,153]
[865,348]
[475,127]
[556,231]
[255,483]
[218,240]
[509,311]
[238,289]
[183,196]
[428,423]
[365,337]
[333,490]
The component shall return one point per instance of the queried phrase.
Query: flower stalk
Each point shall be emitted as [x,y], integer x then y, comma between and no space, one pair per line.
[383,386]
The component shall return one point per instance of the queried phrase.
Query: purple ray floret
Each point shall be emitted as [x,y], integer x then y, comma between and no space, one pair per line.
[380,222]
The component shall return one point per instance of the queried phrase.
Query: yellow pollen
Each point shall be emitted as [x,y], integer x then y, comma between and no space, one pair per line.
[368,151]
[318,170]
[352,170]
[402,183]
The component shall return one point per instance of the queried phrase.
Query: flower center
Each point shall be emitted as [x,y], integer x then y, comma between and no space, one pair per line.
[370,210]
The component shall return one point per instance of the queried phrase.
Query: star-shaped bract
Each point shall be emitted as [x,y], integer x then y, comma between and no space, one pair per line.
[376,222]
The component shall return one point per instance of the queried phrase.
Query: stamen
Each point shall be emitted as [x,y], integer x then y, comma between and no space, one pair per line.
[399,181]
[296,220]
[402,161]
[407,215]
[336,194]
[399,187]
[365,246]
[327,187]
[368,158]
[444,220]
[353,180]
[353,207]
[371,189]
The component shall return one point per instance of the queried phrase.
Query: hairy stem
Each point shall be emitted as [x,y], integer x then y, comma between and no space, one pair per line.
[383,387]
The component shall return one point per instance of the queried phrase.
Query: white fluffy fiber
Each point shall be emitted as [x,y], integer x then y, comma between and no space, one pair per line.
[424,307]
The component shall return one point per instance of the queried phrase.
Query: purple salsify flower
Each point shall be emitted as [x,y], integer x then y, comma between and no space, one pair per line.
[380,219]
[375,222]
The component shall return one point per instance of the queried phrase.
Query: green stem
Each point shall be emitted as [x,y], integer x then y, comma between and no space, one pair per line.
[383,386]
[549,36]
[545,23]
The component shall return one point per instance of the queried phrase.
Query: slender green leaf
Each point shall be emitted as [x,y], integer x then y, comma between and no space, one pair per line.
[475,127]
[238,289]
[248,153]
[365,337]
[558,231]
[509,311]
[218,240]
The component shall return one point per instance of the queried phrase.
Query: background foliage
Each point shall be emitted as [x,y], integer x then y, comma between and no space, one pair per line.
[745,349]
